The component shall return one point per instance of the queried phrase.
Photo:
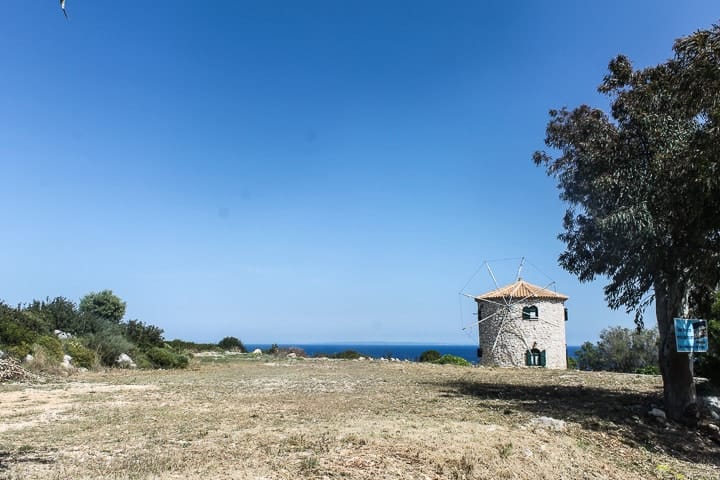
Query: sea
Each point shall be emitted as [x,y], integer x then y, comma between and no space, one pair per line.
[402,351]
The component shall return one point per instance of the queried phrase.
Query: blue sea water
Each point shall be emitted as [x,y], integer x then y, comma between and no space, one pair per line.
[403,351]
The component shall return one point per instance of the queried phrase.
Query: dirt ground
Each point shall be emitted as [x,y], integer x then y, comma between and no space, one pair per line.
[236,418]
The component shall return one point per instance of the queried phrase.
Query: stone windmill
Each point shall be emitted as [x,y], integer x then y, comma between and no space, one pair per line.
[522,324]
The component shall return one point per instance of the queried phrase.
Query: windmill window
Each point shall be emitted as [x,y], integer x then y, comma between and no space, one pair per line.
[530,313]
[535,358]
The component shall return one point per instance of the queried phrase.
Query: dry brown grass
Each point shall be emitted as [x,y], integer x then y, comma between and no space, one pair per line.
[343,419]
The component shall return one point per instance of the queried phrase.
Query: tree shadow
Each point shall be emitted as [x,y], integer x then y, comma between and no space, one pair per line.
[619,413]
[9,458]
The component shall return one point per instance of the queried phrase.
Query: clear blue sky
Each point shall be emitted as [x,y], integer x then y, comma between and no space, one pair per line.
[297,172]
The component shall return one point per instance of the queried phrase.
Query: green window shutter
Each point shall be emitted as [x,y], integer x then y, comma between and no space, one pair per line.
[543,359]
[528,358]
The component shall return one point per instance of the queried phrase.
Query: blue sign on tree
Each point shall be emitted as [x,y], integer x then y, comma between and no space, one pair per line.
[691,335]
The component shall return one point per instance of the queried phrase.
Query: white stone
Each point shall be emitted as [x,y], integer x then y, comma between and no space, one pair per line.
[292,355]
[549,423]
[62,335]
[257,351]
[29,358]
[66,362]
[124,360]
[656,412]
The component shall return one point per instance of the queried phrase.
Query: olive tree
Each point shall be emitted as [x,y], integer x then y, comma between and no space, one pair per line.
[643,187]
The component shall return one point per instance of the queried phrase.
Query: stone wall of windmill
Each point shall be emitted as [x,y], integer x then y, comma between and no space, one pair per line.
[528,332]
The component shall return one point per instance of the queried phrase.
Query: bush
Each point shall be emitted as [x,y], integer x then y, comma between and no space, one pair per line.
[109,343]
[143,335]
[708,364]
[620,350]
[429,356]
[52,346]
[81,355]
[232,343]
[572,364]
[452,360]
[648,370]
[166,358]
[182,345]
[273,350]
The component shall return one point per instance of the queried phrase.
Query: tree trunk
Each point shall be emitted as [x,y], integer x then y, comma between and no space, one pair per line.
[676,368]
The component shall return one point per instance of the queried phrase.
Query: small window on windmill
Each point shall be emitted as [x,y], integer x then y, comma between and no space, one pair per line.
[530,313]
[535,358]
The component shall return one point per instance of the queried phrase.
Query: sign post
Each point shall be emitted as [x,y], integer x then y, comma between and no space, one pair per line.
[691,335]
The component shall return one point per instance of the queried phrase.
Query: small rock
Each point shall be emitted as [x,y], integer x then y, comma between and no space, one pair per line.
[257,351]
[292,355]
[62,335]
[657,413]
[713,427]
[29,358]
[125,361]
[66,362]
[550,423]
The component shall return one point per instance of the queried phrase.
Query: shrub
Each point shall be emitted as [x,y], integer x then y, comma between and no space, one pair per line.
[232,343]
[143,335]
[19,351]
[81,355]
[182,345]
[429,356]
[648,370]
[572,363]
[448,359]
[347,355]
[273,350]
[166,358]
[12,328]
[52,346]
[109,343]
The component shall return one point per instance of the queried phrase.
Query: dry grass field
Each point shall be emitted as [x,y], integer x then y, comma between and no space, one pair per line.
[268,418]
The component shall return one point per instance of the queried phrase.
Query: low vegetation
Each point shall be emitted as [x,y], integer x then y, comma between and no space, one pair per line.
[621,349]
[91,333]
[285,419]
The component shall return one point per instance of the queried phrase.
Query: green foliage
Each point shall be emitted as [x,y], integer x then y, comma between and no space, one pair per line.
[344,355]
[143,335]
[588,357]
[644,192]
[166,358]
[448,359]
[52,346]
[109,342]
[61,313]
[232,343]
[182,345]
[429,356]
[13,329]
[103,305]
[81,355]
[273,350]
[621,350]
[572,364]
[708,364]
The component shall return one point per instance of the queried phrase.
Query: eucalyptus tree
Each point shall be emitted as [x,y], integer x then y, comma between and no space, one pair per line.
[642,184]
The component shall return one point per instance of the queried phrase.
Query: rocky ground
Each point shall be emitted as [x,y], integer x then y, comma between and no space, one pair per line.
[263,418]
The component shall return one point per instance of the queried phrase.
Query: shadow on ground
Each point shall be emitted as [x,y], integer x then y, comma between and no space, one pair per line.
[623,414]
[8,458]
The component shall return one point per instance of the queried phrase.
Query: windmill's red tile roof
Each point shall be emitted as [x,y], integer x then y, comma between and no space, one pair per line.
[521,289]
